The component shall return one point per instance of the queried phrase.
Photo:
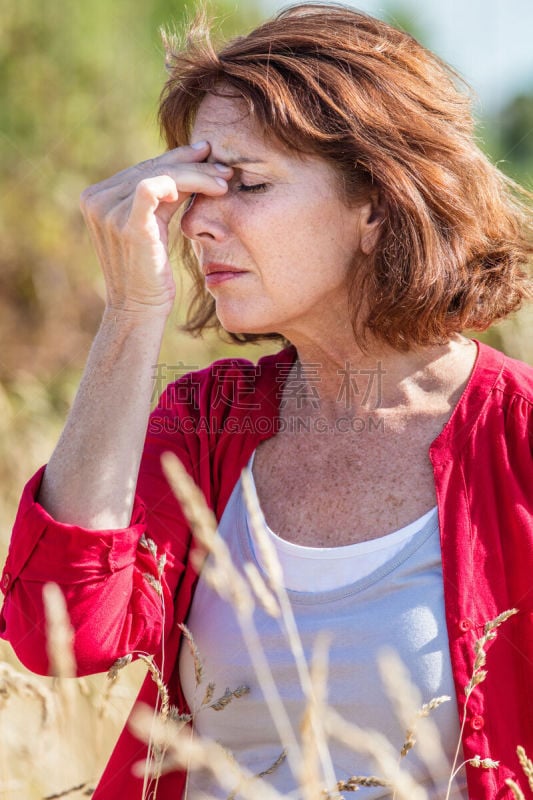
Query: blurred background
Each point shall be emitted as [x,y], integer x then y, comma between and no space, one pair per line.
[79,85]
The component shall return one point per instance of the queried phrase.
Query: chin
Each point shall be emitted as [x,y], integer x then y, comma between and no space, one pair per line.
[240,323]
[249,330]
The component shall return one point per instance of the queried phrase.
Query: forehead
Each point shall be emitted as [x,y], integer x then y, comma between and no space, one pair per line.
[227,125]
[237,139]
[215,110]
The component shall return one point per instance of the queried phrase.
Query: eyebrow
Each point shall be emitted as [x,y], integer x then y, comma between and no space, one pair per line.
[236,162]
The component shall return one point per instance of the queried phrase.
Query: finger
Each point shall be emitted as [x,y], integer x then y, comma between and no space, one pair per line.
[158,165]
[211,179]
[190,184]
[151,193]
[197,152]
[110,196]
[124,183]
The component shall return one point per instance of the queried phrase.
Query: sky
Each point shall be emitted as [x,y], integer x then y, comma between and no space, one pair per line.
[490,42]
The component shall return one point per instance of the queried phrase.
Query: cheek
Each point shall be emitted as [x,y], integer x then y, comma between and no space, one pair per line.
[292,225]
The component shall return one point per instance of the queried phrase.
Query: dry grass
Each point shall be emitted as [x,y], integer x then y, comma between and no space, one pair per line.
[57,733]
[307,749]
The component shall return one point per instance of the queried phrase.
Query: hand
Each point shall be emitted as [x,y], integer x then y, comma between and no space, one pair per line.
[128,217]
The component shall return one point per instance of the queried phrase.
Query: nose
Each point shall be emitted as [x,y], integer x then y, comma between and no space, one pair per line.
[204,219]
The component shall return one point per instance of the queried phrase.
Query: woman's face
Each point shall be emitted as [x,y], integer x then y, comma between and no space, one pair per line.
[278,248]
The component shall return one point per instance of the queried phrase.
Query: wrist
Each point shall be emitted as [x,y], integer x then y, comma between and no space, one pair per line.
[136,316]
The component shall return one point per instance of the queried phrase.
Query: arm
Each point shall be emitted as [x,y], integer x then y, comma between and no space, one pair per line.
[91,477]
[81,533]
[89,485]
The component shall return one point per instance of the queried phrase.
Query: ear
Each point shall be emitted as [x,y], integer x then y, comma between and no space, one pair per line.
[373,213]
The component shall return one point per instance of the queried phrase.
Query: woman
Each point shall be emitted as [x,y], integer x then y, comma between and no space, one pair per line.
[332,196]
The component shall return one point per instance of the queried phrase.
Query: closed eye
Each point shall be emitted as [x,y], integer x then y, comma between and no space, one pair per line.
[255,187]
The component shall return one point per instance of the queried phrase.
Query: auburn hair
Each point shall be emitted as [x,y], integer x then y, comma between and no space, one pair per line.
[385,113]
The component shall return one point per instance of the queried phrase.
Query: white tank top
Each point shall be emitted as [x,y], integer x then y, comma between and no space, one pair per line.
[399,605]
[326,568]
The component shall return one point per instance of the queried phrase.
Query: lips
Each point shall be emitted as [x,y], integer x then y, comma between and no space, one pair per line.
[216,273]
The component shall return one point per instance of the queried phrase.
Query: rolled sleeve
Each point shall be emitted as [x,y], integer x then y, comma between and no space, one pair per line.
[96,570]
[48,550]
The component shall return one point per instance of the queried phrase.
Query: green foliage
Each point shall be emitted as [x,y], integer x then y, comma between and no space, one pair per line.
[79,83]
[511,138]
[405,18]
[507,137]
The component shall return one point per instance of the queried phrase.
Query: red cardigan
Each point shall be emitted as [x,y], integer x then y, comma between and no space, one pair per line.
[213,420]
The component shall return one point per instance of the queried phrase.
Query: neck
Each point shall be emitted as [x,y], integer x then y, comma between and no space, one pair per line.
[334,378]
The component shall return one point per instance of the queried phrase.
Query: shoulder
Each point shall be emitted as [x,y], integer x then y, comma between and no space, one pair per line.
[505,387]
[266,369]
[495,407]
[503,376]
[517,379]
[213,419]
[226,382]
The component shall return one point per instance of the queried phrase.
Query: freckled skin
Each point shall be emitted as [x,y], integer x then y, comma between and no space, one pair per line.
[285,224]
[294,234]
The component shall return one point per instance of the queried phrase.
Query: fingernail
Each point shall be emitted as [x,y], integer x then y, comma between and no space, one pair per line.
[222,168]
[199,145]
[222,182]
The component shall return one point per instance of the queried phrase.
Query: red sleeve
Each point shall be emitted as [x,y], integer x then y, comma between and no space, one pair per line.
[112,609]
[107,576]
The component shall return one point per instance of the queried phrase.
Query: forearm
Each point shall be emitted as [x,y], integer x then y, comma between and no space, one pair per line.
[91,477]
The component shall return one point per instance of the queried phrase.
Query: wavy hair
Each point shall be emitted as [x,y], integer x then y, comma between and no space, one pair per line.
[385,113]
